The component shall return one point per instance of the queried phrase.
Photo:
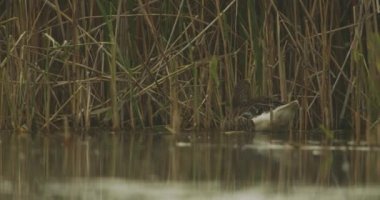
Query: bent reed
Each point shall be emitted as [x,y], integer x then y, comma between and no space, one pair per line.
[136,64]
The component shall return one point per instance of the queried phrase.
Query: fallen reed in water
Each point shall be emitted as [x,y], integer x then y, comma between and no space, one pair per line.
[145,63]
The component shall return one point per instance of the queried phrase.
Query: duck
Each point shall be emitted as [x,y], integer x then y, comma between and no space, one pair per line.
[260,114]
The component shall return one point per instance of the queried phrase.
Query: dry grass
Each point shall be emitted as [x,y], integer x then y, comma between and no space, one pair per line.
[128,64]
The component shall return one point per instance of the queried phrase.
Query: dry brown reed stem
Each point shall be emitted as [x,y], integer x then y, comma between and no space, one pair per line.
[281,64]
[126,64]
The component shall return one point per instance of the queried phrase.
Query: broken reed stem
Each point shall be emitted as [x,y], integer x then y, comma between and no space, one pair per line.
[139,64]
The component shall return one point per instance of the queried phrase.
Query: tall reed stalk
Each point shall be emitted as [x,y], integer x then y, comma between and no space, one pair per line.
[137,64]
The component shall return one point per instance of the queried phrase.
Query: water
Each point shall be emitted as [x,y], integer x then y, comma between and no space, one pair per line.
[100,165]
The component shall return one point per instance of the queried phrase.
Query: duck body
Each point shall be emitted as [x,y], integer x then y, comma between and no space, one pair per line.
[261,113]
[278,119]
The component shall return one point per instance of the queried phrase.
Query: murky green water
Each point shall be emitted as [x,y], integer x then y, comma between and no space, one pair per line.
[148,165]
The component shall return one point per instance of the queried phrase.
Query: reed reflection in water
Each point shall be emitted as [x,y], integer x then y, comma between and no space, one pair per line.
[195,166]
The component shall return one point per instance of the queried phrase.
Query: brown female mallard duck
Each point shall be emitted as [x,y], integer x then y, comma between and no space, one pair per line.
[262,113]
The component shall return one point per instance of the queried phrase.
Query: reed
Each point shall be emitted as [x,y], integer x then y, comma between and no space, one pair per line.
[136,64]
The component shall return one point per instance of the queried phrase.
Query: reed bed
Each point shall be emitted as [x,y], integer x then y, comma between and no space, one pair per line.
[136,64]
